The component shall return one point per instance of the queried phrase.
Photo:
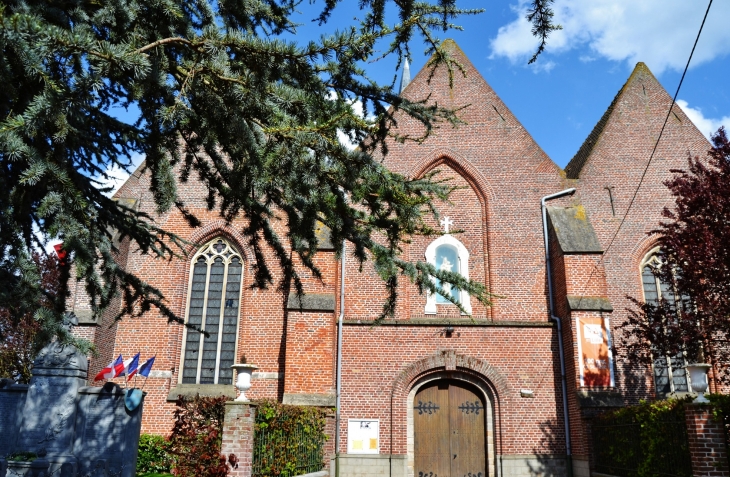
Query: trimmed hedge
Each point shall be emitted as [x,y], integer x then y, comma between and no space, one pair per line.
[645,440]
[721,411]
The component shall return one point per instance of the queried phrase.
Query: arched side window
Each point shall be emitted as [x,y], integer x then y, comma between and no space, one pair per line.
[669,373]
[447,253]
[213,305]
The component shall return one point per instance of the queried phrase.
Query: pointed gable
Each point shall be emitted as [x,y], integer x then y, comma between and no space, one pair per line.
[489,135]
[639,107]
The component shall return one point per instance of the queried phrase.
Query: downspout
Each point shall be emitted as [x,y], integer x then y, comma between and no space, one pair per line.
[339,362]
[561,353]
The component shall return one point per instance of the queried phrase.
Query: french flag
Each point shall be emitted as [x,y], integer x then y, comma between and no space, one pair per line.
[129,366]
[145,369]
[112,370]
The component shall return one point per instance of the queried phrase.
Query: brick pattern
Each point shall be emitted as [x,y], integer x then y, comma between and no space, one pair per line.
[501,175]
[238,428]
[706,442]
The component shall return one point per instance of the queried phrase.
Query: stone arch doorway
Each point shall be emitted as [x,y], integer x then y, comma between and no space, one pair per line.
[450,427]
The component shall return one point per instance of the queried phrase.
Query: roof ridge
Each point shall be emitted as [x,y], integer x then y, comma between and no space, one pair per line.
[576,164]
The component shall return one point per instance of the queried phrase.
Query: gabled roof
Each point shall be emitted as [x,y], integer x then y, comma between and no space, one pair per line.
[574,167]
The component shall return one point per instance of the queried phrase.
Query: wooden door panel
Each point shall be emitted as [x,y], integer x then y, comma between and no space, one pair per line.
[449,431]
[466,416]
[431,431]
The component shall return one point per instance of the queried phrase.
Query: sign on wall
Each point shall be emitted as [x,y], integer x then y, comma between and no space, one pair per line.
[363,436]
[594,349]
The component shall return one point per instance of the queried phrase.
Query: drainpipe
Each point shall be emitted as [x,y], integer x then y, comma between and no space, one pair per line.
[561,353]
[339,362]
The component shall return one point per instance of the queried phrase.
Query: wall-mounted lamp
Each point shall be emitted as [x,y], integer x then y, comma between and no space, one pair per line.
[448,331]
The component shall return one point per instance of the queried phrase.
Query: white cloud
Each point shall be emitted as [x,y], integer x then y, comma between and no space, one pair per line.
[543,66]
[658,32]
[707,126]
[117,176]
[359,110]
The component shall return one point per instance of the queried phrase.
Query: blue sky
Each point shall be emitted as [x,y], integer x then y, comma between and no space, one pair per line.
[562,96]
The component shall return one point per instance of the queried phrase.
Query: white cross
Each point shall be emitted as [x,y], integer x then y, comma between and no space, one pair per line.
[446,222]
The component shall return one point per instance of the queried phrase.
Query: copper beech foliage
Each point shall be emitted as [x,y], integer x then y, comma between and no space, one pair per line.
[695,255]
[21,334]
[195,441]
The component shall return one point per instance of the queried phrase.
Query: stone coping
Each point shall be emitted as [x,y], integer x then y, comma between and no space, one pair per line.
[451,322]
[321,400]
[589,303]
[311,302]
[190,390]
[344,456]
[10,385]
[321,473]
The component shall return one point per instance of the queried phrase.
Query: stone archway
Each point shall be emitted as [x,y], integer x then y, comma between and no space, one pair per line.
[448,364]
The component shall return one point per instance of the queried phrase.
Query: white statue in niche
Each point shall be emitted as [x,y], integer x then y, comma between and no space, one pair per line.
[447,254]
[446,266]
[447,260]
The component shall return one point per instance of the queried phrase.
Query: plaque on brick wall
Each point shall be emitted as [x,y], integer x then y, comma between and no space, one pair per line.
[363,436]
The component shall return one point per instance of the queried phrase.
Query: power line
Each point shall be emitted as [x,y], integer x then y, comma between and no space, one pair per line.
[656,144]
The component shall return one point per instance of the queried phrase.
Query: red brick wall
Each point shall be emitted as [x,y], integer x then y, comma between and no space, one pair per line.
[619,157]
[706,442]
[502,174]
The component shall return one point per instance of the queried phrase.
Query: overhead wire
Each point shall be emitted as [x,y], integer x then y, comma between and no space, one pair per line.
[656,145]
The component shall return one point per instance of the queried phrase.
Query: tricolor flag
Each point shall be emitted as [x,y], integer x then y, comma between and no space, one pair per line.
[112,370]
[130,366]
[145,369]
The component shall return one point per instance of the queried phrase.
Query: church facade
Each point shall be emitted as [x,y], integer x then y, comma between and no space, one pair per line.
[506,391]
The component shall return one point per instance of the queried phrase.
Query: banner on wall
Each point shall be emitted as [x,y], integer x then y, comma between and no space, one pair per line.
[594,349]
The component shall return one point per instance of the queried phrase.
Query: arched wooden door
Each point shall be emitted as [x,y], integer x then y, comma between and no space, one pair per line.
[449,431]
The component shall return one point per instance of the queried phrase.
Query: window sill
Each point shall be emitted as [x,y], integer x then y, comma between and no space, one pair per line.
[206,390]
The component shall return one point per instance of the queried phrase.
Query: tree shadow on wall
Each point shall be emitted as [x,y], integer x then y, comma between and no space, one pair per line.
[550,464]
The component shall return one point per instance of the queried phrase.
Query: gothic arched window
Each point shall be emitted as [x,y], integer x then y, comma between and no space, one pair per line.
[669,373]
[448,254]
[214,302]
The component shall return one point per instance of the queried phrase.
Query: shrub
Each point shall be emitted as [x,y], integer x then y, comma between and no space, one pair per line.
[288,440]
[721,411]
[644,440]
[195,442]
[153,455]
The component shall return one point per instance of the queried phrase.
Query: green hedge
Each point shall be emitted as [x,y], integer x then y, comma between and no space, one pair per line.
[645,440]
[288,440]
[153,456]
[721,411]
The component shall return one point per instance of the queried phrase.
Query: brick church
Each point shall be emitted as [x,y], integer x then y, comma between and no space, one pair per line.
[488,387]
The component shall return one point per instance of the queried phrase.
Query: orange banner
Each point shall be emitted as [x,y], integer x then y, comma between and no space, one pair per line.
[596,362]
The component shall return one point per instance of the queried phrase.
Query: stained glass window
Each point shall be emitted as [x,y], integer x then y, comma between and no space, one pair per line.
[215,294]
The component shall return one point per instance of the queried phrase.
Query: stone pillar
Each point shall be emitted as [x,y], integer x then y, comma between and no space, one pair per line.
[706,442]
[49,411]
[238,427]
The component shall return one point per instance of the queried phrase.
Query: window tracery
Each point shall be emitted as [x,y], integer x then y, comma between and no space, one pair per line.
[669,373]
[213,305]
